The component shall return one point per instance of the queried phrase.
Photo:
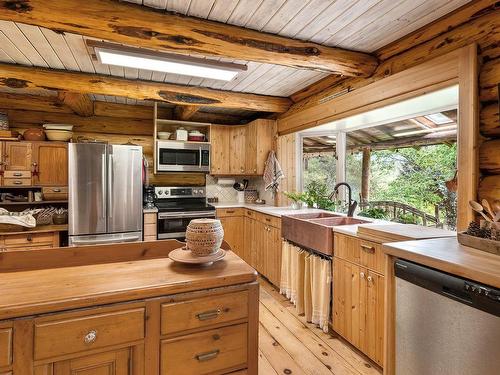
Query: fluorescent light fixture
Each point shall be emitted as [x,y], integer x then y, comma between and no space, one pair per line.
[426,131]
[112,54]
[439,118]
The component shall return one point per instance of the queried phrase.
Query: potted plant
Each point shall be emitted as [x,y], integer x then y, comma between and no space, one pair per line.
[295,197]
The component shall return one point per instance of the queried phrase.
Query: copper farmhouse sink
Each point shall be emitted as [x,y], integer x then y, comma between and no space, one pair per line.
[314,230]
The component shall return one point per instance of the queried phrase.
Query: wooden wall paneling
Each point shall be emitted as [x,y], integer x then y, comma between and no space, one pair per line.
[286,151]
[467,135]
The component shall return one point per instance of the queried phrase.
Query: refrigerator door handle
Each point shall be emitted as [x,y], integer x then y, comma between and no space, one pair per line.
[111,177]
[103,186]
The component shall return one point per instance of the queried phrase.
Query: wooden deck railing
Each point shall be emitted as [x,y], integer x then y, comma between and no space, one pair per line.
[396,209]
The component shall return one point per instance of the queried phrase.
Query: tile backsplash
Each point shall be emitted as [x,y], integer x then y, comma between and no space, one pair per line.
[226,193]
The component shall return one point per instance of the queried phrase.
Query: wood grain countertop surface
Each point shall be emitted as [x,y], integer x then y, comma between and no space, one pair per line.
[37,229]
[446,254]
[30,292]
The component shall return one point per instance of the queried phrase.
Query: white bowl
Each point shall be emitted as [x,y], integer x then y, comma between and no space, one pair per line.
[58,135]
[164,135]
[58,127]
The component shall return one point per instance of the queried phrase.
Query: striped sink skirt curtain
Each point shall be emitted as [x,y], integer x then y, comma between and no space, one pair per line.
[306,280]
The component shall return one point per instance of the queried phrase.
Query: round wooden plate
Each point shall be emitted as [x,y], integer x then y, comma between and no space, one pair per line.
[182,255]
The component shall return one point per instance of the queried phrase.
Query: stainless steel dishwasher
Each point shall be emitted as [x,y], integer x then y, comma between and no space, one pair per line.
[445,325]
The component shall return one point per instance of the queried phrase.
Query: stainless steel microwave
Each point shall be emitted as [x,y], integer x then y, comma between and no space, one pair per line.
[173,156]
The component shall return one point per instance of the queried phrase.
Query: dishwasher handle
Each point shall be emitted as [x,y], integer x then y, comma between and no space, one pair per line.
[468,292]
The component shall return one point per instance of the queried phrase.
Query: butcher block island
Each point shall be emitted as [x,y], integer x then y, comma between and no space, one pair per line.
[126,309]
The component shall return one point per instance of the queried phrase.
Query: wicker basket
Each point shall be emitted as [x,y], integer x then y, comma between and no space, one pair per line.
[204,236]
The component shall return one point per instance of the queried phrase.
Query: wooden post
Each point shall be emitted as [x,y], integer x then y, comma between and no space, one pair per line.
[365,175]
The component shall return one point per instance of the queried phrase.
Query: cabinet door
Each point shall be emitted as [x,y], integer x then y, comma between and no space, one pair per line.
[219,151]
[233,233]
[273,255]
[259,244]
[110,363]
[237,151]
[249,239]
[374,320]
[18,156]
[259,142]
[51,160]
[347,312]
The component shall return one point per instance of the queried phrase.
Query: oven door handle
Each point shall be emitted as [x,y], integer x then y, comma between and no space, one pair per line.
[200,158]
[185,214]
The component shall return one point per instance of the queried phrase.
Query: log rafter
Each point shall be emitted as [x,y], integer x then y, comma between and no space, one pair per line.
[17,76]
[145,27]
[81,104]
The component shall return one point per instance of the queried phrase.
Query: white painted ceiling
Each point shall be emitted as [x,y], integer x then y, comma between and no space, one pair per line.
[364,25]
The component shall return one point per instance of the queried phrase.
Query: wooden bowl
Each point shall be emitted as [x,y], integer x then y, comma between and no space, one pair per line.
[204,236]
[34,134]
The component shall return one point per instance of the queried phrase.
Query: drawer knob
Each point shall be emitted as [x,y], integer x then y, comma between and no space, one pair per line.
[207,356]
[29,238]
[362,275]
[209,314]
[370,279]
[56,190]
[18,182]
[17,174]
[90,337]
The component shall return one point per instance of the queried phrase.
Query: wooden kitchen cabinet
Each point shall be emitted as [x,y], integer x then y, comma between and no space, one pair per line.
[262,235]
[150,232]
[237,152]
[18,156]
[50,161]
[110,363]
[259,141]
[358,307]
[234,232]
[242,149]
[219,150]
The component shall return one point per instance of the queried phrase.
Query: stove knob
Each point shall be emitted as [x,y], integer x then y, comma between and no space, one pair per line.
[160,192]
[166,192]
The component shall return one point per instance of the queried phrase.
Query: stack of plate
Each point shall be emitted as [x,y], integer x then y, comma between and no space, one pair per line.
[58,132]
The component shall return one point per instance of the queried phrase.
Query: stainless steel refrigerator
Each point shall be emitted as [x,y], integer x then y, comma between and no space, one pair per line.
[105,193]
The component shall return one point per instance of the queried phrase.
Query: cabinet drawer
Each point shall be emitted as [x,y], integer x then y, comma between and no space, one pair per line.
[5,347]
[203,312]
[55,193]
[150,230]
[79,334]
[371,255]
[250,213]
[17,181]
[270,220]
[17,174]
[206,352]
[28,239]
[228,212]
[150,218]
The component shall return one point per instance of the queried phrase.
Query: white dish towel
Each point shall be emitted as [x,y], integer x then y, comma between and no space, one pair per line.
[272,173]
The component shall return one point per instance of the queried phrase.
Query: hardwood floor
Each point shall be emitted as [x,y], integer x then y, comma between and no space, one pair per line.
[290,345]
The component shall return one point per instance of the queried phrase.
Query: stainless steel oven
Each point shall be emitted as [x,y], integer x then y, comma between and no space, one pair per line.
[173,156]
[174,224]
[177,206]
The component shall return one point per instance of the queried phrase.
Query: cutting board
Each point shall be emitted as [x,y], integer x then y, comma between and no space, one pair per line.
[382,233]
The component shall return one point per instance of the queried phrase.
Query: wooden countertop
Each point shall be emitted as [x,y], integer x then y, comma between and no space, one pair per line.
[38,229]
[47,290]
[447,255]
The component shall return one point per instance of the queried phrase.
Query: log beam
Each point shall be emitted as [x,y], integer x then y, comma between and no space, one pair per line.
[365,174]
[145,27]
[185,112]
[17,76]
[81,104]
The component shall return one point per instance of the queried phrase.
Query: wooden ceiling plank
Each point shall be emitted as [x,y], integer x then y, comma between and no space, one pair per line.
[141,26]
[81,104]
[15,76]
